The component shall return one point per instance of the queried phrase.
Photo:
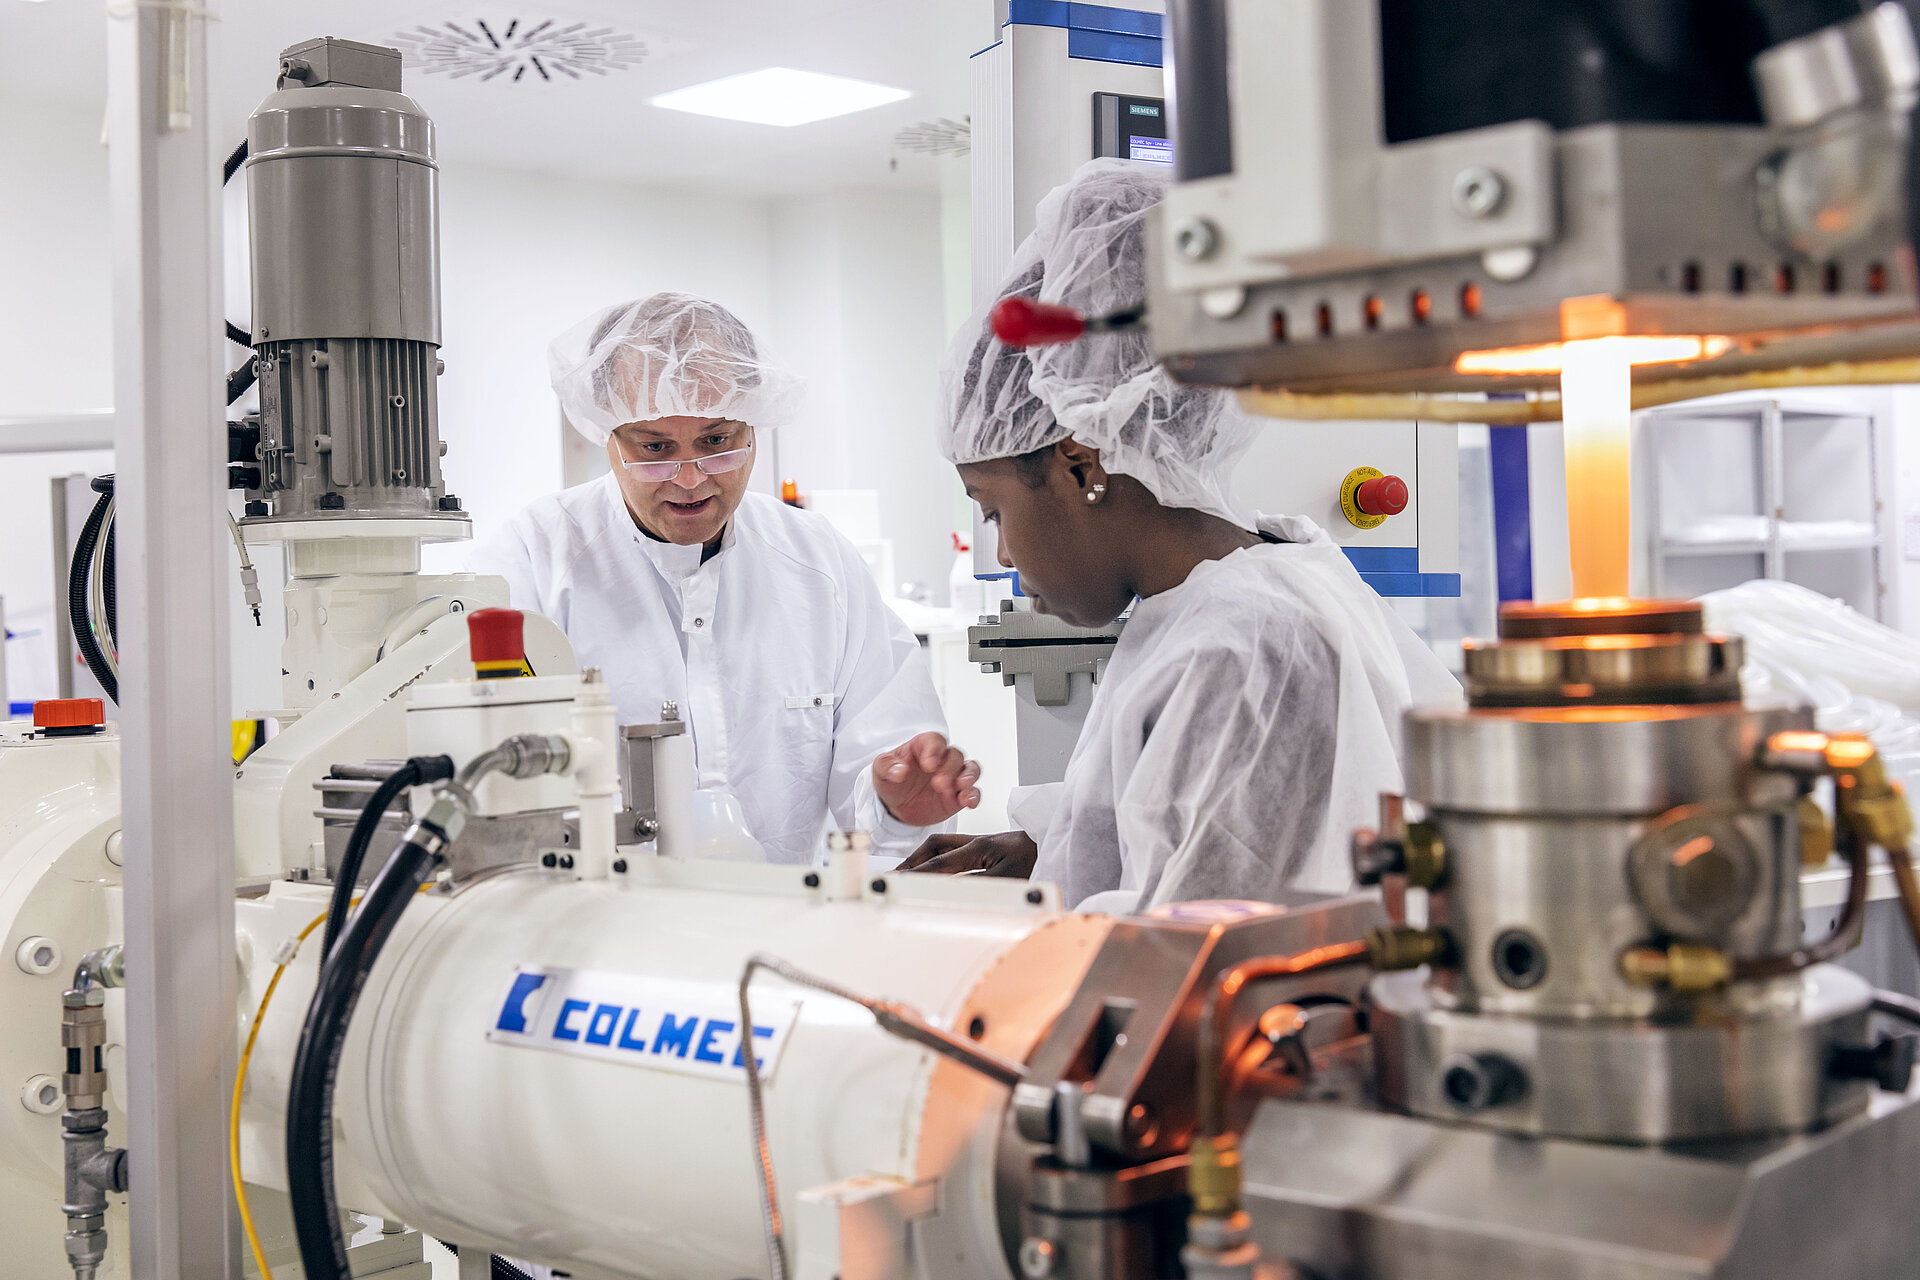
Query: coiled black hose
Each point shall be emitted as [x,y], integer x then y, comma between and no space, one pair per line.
[79,616]
[418,770]
[343,973]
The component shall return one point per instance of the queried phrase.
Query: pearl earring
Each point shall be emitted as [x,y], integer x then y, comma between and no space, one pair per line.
[1093,494]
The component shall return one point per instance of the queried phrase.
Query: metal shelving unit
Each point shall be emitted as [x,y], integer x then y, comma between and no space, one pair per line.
[1799,500]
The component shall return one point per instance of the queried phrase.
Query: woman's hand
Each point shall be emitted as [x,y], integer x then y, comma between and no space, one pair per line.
[923,781]
[1011,853]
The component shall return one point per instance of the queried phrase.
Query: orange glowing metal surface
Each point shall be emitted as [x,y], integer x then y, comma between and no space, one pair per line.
[1550,357]
[1798,740]
[1596,406]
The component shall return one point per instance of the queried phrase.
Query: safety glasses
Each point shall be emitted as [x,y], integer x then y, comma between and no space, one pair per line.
[714,464]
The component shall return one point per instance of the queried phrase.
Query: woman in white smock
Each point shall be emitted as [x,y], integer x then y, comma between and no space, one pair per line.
[1249,717]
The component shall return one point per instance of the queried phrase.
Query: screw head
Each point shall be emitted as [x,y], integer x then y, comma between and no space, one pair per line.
[549,859]
[1035,897]
[37,956]
[566,862]
[811,880]
[620,866]
[879,884]
[1196,238]
[41,1095]
[1478,192]
[1038,1258]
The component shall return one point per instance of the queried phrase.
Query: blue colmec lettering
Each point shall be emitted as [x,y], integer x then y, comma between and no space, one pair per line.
[600,1026]
[759,1033]
[513,1012]
[675,1035]
[627,1040]
[706,1052]
[561,1031]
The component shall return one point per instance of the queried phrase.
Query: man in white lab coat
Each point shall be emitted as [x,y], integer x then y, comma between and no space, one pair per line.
[806,696]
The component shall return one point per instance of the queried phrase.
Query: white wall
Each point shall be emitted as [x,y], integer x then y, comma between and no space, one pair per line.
[56,350]
[858,304]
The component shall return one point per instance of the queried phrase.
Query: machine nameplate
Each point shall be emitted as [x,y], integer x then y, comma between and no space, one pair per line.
[692,1028]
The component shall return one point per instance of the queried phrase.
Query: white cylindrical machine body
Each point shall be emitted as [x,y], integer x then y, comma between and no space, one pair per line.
[673,779]
[640,1164]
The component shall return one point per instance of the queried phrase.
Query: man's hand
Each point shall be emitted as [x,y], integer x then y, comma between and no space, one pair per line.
[1011,853]
[924,781]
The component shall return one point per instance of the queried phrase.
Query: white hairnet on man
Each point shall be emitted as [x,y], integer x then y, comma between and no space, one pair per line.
[1249,716]
[806,697]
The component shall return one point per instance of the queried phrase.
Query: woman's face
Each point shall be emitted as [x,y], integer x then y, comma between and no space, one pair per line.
[1069,551]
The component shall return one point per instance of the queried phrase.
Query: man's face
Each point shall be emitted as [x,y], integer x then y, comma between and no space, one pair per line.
[691,507]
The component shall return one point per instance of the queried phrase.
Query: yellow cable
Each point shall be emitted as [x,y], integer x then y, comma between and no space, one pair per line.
[240,1084]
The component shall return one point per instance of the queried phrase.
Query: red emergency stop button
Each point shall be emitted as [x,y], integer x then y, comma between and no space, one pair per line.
[496,639]
[1381,496]
[69,717]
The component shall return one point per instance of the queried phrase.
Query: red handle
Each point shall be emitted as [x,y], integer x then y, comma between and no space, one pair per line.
[1381,496]
[1022,322]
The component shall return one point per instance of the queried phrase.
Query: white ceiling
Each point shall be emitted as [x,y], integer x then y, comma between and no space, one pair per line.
[54,54]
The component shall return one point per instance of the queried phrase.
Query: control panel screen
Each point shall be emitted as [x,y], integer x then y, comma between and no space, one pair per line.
[1132,128]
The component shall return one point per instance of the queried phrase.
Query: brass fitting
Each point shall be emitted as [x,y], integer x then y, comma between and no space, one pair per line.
[1871,804]
[1401,947]
[1681,967]
[1816,835]
[1213,1176]
[1426,856]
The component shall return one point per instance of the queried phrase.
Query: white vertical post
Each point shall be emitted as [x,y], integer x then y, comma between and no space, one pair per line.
[177,781]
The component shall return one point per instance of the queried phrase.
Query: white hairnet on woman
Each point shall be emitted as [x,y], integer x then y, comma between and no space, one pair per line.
[670,355]
[1088,251]
[1249,717]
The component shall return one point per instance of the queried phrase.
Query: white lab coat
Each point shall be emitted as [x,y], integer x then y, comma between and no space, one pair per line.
[785,661]
[1246,723]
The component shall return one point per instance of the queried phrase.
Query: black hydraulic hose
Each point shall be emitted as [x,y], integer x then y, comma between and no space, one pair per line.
[109,586]
[418,770]
[78,613]
[242,378]
[1895,1005]
[343,972]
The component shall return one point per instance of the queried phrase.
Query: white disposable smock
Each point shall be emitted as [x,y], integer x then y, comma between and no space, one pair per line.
[788,666]
[1247,722]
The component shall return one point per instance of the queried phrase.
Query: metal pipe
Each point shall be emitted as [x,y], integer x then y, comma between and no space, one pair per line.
[1217,1013]
[894,1018]
[92,1168]
[1846,931]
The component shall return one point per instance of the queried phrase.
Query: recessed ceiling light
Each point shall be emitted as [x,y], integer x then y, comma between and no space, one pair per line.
[780,95]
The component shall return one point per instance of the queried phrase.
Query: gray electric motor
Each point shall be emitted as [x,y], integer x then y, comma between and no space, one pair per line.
[343,211]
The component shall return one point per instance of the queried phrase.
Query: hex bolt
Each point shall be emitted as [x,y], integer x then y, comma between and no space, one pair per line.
[1195,239]
[1478,192]
[37,956]
[41,1095]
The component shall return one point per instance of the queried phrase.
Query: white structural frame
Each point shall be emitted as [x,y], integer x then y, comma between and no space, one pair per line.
[177,787]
